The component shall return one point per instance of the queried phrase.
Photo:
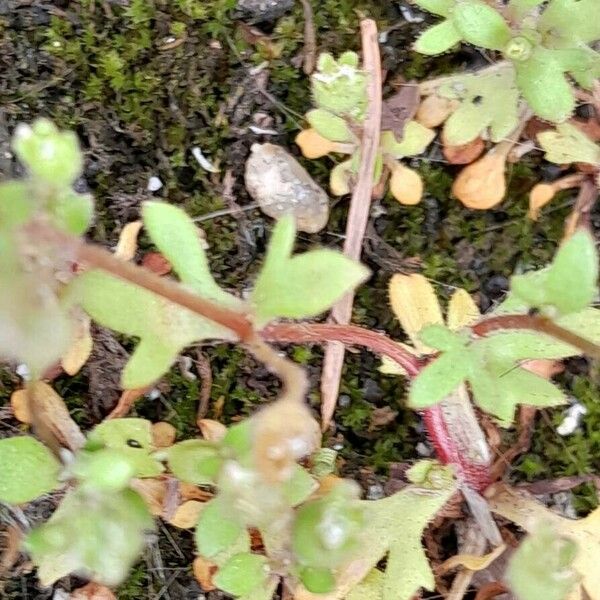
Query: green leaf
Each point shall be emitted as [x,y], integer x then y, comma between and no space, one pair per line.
[242,574]
[299,486]
[195,461]
[178,239]
[542,566]
[317,580]
[304,285]
[440,337]
[574,20]
[132,438]
[407,567]
[439,379]
[330,126]
[437,39]
[436,7]
[97,536]
[105,470]
[487,100]
[521,8]
[164,328]
[28,470]
[217,530]
[568,144]
[370,588]
[479,24]
[544,85]
[238,440]
[16,206]
[49,154]
[73,212]
[415,140]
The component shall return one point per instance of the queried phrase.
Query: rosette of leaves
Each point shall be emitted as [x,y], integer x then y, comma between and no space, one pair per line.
[492,365]
[545,46]
[98,529]
[34,328]
[339,92]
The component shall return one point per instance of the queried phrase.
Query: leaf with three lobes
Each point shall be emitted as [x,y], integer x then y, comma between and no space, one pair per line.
[304,285]
[568,144]
[163,327]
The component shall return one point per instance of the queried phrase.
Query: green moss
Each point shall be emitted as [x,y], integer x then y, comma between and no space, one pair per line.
[136,586]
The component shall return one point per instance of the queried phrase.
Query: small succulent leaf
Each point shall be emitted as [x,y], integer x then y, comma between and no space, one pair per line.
[415,140]
[242,573]
[573,20]
[479,24]
[530,288]
[164,327]
[330,126]
[442,338]
[178,239]
[406,185]
[195,461]
[436,7]
[28,470]
[133,438]
[98,536]
[73,212]
[217,530]
[568,144]
[318,580]
[313,145]
[439,379]
[341,178]
[542,566]
[299,486]
[438,39]
[486,100]
[16,206]
[304,285]
[49,154]
[415,304]
[544,85]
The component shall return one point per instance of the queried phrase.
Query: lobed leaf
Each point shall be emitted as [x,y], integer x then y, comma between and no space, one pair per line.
[568,144]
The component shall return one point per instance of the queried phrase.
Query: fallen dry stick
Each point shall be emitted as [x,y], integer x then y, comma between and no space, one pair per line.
[357,215]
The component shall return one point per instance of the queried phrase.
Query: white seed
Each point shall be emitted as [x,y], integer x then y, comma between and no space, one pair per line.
[154,184]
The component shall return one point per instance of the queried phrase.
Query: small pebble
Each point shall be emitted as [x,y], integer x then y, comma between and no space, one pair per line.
[203,161]
[344,401]
[375,492]
[154,184]
[572,420]
[423,449]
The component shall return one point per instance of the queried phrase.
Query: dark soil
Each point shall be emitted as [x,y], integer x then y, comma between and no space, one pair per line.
[142,82]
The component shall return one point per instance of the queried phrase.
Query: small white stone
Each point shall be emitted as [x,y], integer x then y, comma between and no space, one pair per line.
[262,131]
[203,161]
[572,419]
[154,184]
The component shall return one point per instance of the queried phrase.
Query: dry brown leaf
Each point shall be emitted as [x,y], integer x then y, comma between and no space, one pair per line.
[415,304]
[11,548]
[524,510]
[399,109]
[153,491]
[539,196]
[92,591]
[212,430]
[471,562]
[465,153]
[313,144]
[186,516]
[81,346]
[188,491]
[157,263]
[51,410]
[406,185]
[127,244]
[163,434]
[434,110]
[126,401]
[19,403]
[203,572]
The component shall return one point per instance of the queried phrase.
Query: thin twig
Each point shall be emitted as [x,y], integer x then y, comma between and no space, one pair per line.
[358,213]
[310,38]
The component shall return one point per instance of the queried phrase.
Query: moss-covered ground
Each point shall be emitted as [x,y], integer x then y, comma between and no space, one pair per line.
[144,81]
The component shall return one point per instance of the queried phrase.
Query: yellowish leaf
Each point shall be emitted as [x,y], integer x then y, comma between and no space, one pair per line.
[434,110]
[482,184]
[186,516]
[524,510]
[212,430]
[470,561]
[127,244]
[163,434]
[539,196]
[406,185]
[203,572]
[462,310]
[81,346]
[153,490]
[391,367]
[313,144]
[19,403]
[188,491]
[415,304]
